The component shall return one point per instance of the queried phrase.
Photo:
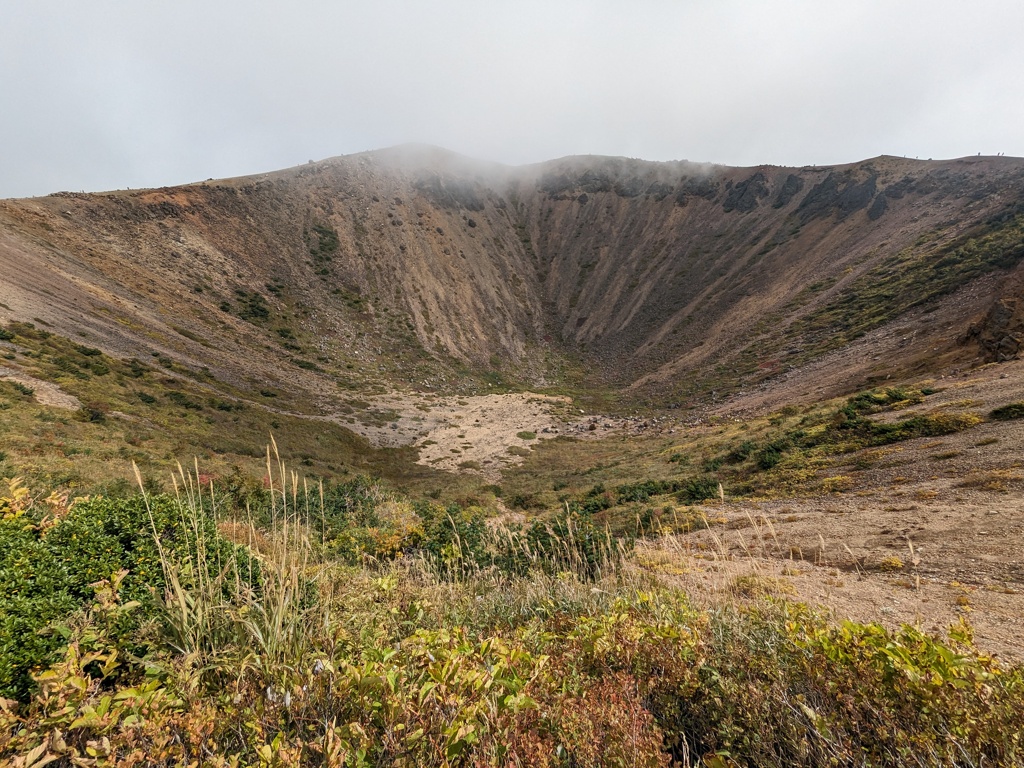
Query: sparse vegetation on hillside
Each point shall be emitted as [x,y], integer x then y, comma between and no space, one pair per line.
[794,452]
[158,412]
[578,274]
[916,275]
[1008,412]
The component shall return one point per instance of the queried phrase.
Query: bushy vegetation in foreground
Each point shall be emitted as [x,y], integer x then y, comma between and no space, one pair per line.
[277,650]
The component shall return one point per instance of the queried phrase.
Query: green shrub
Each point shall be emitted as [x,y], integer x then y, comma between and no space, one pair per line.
[741,452]
[92,412]
[136,369]
[452,537]
[566,543]
[1007,412]
[253,307]
[524,501]
[597,499]
[850,421]
[713,464]
[47,570]
[643,490]
[771,454]
[183,400]
[699,489]
[327,242]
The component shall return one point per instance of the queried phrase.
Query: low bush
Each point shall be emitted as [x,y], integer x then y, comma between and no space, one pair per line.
[50,560]
[549,651]
[699,489]
[183,400]
[1007,412]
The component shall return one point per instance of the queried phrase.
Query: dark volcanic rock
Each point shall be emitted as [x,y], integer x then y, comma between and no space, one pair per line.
[704,188]
[893,192]
[555,184]
[819,202]
[1000,333]
[659,191]
[744,196]
[563,186]
[853,196]
[595,181]
[878,208]
[837,193]
[630,187]
[899,189]
[790,188]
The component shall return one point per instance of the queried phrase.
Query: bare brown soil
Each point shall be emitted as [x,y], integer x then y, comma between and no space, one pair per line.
[928,531]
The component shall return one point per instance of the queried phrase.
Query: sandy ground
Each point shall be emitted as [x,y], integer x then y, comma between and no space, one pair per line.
[483,434]
[468,434]
[45,392]
[715,573]
[927,531]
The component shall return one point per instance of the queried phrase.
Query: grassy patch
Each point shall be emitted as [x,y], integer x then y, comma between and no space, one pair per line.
[157,417]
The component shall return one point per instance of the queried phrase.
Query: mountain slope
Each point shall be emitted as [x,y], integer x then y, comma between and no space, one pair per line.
[415,265]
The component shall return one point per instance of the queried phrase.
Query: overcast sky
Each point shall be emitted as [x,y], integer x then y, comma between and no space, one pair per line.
[110,94]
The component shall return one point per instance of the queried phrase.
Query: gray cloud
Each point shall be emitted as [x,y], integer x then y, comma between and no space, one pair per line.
[111,94]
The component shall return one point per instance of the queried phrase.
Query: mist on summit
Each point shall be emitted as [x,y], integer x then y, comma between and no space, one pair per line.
[112,95]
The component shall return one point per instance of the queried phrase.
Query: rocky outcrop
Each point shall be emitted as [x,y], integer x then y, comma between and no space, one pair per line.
[840,193]
[1000,334]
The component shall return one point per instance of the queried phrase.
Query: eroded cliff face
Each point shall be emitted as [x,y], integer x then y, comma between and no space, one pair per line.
[417,265]
[679,271]
[998,336]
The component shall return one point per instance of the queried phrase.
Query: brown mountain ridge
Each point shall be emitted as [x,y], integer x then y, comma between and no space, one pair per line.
[674,282]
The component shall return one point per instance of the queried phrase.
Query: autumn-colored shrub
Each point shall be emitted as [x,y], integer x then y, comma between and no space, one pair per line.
[433,658]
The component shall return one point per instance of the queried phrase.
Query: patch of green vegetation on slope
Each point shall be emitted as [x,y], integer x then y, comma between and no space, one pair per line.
[650,482]
[157,412]
[911,278]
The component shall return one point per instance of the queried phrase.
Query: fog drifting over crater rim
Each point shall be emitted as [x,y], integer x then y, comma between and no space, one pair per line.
[112,94]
